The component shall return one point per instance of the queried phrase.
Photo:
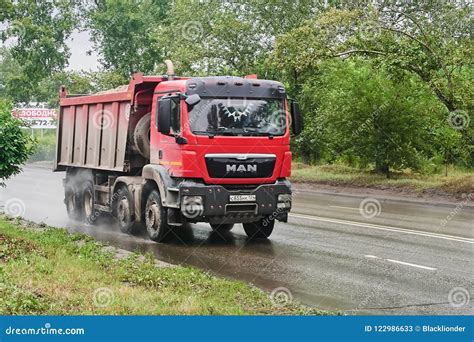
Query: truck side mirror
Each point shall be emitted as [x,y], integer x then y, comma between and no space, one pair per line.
[163,115]
[193,99]
[296,118]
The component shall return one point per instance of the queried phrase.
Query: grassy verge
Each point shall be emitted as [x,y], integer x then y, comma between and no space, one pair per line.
[49,271]
[456,183]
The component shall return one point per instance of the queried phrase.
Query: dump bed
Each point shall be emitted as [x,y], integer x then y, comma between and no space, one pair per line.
[93,129]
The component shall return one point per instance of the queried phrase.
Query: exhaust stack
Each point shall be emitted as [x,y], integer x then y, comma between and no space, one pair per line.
[170,69]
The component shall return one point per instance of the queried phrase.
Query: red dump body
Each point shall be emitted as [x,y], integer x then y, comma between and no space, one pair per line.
[93,129]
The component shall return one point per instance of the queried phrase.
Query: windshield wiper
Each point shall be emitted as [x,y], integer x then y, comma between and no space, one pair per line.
[255,131]
[209,134]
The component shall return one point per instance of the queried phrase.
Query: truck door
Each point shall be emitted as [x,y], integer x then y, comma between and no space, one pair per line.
[165,150]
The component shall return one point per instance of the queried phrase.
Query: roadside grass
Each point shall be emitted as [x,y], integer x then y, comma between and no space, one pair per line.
[46,270]
[457,182]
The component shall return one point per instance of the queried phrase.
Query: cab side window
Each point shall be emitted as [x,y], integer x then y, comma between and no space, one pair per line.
[175,115]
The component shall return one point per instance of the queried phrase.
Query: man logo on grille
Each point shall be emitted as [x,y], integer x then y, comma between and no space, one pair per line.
[241,168]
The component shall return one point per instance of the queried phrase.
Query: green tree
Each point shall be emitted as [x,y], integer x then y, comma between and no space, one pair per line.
[205,38]
[368,118]
[36,32]
[75,82]
[15,144]
[431,41]
[122,33]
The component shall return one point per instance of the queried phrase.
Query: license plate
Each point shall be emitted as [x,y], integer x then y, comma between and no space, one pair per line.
[242,198]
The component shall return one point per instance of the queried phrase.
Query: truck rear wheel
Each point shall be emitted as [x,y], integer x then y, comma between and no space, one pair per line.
[123,209]
[155,218]
[87,199]
[71,199]
[223,227]
[261,229]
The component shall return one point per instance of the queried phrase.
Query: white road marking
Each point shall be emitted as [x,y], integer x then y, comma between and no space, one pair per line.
[372,256]
[338,206]
[410,264]
[385,228]
[402,262]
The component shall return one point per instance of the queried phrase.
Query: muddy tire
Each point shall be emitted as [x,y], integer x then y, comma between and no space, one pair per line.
[122,209]
[222,227]
[71,200]
[87,200]
[261,229]
[155,218]
[141,136]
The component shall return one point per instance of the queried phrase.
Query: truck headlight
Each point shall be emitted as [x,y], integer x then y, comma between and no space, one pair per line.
[284,201]
[283,205]
[284,198]
[192,206]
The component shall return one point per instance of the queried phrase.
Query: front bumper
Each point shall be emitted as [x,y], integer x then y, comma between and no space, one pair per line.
[215,206]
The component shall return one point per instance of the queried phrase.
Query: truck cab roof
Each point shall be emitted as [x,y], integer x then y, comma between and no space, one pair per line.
[231,86]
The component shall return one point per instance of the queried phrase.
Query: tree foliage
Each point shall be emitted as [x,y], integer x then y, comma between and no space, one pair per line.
[369,118]
[399,72]
[15,144]
[122,33]
[429,44]
[36,32]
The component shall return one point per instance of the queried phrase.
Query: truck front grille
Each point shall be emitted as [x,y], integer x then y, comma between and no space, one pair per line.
[245,166]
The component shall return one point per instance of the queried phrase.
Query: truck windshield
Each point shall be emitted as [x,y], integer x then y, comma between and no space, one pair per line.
[234,116]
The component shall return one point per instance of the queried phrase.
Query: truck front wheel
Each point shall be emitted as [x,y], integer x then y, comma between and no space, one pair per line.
[155,218]
[261,229]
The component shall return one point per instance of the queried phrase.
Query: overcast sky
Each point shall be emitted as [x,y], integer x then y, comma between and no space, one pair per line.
[79,43]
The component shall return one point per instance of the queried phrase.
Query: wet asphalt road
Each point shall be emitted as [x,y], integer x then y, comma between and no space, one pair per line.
[412,258]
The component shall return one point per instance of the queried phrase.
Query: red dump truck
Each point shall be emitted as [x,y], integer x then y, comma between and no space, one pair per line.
[166,150]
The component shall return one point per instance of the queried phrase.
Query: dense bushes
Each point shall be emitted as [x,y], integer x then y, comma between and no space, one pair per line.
[362,116]
[15,144]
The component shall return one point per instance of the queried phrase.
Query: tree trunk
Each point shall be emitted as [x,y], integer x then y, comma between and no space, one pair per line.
[305,157]
[383,168]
